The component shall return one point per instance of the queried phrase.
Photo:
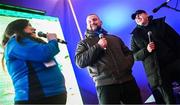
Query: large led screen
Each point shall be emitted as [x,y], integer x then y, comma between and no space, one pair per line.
[44,24]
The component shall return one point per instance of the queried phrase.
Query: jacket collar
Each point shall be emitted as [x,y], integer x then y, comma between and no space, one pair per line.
[90,33]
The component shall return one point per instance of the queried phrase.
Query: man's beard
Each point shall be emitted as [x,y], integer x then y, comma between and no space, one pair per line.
[95,28]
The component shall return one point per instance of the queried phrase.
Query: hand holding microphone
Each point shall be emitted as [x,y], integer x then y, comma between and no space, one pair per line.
[51,36]
[151,46]
[102,41]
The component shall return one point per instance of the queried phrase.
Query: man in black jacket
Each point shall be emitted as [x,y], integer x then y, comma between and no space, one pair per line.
[158,45]
[109,63]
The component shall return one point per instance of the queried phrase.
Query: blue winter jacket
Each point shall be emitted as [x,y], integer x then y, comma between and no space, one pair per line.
[31,78]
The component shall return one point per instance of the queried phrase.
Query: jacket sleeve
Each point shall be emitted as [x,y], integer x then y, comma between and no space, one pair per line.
[87,56]
[128,53]
[139,53]
[34,51]
[125,49]
[172,38]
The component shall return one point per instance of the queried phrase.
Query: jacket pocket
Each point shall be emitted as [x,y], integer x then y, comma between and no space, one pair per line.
[93,71]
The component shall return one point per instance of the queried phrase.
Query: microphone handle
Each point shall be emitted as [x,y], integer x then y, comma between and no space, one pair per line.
[41,34]
[61,41]
[102,36]
[149,37]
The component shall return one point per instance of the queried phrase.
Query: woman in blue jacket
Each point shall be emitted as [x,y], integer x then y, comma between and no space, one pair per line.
[31,65]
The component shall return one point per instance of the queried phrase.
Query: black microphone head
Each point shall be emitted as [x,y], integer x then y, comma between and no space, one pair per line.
[155,10]
[41,34]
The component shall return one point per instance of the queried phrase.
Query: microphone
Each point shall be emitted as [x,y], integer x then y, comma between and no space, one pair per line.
[162,5]
[41,34]
[101,35]
[149,36]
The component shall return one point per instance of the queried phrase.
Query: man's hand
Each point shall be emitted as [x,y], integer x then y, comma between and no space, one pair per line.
[103,43]
[151,47]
